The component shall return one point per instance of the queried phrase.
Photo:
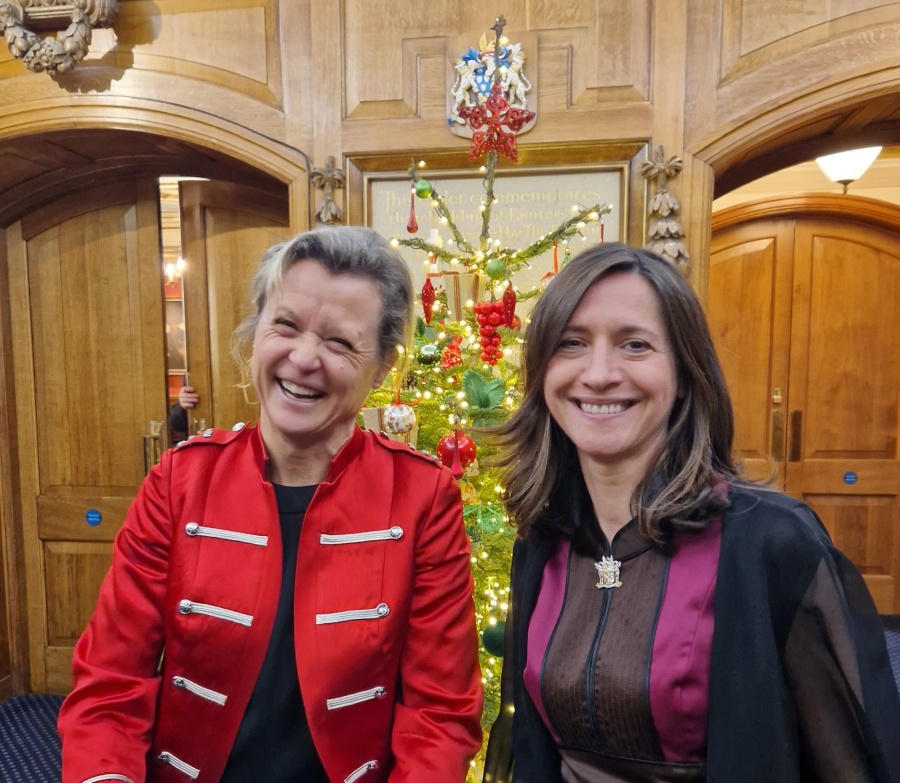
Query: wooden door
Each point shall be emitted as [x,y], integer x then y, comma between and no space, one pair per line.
[807,311]
[225,230]
[749,314]
[844,392]
[86,307]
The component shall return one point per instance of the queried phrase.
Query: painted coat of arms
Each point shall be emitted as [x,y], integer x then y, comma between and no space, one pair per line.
[496,61]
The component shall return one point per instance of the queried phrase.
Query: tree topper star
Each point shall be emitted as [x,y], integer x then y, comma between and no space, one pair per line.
[502,121]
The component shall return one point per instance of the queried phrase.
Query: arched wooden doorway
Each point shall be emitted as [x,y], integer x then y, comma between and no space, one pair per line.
[82,351]
[804,305]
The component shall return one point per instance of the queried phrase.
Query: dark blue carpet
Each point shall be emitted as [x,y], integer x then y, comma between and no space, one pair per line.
[30,746]
[892,635]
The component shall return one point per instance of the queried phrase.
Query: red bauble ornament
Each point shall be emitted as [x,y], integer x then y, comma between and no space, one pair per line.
[452,357]
[427,299]
[457,451]
[509,305]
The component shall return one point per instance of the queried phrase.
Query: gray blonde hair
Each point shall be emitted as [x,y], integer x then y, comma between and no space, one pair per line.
[545,492]
[352,250]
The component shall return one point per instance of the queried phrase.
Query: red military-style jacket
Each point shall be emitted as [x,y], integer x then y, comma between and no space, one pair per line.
[383,616]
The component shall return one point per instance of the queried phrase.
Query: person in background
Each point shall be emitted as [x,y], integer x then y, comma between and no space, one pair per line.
[290,601]
[669,621]
[178,415]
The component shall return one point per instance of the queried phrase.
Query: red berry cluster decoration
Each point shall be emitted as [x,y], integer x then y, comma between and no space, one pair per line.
[452,355]
[490,315]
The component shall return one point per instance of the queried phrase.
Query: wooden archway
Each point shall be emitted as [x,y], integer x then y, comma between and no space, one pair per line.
[270,156]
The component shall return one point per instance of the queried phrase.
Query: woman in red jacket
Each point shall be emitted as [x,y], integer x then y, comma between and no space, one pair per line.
[291,601]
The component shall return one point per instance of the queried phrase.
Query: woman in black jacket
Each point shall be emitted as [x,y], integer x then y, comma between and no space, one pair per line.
[669,621]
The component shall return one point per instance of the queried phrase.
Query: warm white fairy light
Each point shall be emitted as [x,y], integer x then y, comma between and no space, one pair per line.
[395,242]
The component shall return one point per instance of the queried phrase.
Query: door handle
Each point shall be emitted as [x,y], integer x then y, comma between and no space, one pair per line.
[796,436]
[778,436]
[153,446]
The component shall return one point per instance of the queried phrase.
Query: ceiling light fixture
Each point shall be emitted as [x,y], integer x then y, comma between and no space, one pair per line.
[849,166]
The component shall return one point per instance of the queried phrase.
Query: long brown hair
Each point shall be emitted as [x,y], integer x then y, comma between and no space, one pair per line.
[545,492]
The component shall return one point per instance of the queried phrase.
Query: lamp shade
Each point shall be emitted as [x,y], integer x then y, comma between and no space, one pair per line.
[849,166]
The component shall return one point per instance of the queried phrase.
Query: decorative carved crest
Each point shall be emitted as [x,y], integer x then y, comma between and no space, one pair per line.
[75,20]
[496,61]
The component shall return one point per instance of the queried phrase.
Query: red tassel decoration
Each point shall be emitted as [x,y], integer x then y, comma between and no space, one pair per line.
[601,230]
[555,259]
[509,305]
[427,299]
[412,226]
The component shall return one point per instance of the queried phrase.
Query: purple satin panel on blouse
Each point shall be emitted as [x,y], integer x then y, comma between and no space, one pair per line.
[679,668]
[543,621]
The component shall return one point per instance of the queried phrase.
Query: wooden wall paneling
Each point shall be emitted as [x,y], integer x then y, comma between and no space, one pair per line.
[382,45]
[328,90]
[7,514]
[234,45]
[13,628]
[595,82]
[26,427]
[695,192]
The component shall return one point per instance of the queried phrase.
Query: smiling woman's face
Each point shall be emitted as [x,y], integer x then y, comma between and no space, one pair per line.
[316,357]
[611,383]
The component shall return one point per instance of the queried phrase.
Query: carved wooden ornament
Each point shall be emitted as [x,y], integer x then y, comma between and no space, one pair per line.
[328,179]
[75,20]
[665,231]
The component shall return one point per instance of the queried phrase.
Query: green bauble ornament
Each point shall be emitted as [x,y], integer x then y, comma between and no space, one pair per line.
[496,269]
[492,639]
[428,353]
[423,188]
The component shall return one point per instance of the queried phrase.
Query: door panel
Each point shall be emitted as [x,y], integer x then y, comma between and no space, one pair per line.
[813,307]
[845,388]
[87,316]
[750,324]
[225,231]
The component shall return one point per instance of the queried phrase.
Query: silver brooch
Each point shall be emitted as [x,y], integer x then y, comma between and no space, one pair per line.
[608,571]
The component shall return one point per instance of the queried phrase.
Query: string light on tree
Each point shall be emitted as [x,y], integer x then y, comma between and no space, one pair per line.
[463,371]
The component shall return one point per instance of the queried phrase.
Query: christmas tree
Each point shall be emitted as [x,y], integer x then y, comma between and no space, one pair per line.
[462,374]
